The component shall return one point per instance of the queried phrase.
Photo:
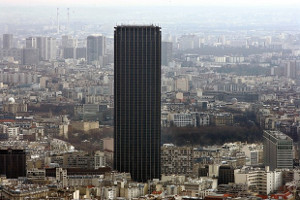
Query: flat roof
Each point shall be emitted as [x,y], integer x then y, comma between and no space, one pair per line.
[278,135]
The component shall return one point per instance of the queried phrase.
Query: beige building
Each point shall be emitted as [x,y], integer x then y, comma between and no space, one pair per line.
[13,107]
[182,84]
[221,119]
[107,144]
[25,191]
[84,126]
[43,82]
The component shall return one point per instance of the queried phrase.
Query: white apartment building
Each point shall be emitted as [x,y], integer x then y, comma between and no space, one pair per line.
[183,119]
[259,180]
[61,177]
[13,132]
[109,192]
[99,159]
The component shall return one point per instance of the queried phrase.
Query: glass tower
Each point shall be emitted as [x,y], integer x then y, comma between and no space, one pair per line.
[278,150]
[137,101]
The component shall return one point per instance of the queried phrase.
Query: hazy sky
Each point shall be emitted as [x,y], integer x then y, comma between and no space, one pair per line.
[148,2]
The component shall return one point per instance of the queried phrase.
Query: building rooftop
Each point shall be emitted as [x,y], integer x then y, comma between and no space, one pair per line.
[279,135]
[136,26]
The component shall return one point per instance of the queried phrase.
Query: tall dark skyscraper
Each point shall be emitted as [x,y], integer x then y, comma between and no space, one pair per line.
[137,101]
[13,163]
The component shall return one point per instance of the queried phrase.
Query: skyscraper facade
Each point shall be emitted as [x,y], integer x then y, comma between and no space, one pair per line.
[137,101]
[47,48]
[30,56]
[13,163]
[278,150]
[166,53]
[7,41]
[30,42]
[95,49]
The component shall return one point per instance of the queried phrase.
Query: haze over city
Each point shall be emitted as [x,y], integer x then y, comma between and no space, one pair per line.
[173,16]
[150,3]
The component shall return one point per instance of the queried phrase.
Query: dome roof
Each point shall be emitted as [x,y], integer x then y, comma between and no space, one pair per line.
[234,100]
[11,100]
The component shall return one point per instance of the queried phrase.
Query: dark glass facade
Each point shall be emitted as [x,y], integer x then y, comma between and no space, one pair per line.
[137,101]
[13,163]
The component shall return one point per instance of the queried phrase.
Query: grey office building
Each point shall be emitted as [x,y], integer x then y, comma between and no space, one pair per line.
[95,49]
[166,53]
[31,42]
[7,41]
[278,150]
[137,101]
[80,52]
[47,48]
[30,56]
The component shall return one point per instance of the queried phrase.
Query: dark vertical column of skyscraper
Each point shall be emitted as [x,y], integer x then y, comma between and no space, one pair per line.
[13,163]
[137,101]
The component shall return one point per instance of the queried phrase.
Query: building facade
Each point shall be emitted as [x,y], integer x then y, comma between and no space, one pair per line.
[137,107]
[13,163]
[176,160]
[278,150]
[30,56]
[166,53]
[95,49]
[7,41]
[31,42]
[47,48]
[259,180]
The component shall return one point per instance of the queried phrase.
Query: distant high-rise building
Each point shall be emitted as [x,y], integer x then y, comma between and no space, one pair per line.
[13,163]
[69,53]
[290,69]
[95,49]
[278,150]
[65,41]
[166,53]
[47,48]
[51,48]
[30,56]
[188,42]
[68,42]
[30,42]
[80,53]
[7,41]
[41,45]
[137,101]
